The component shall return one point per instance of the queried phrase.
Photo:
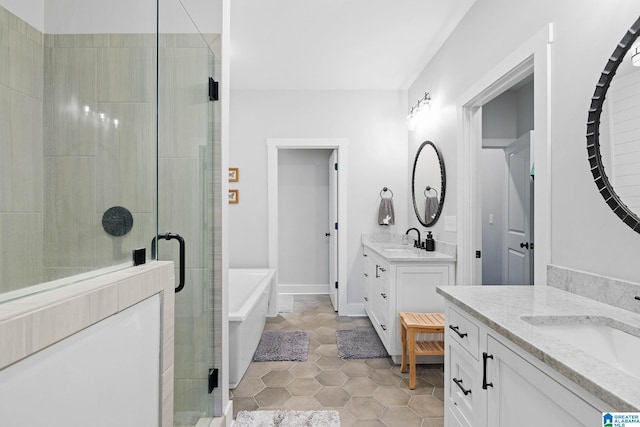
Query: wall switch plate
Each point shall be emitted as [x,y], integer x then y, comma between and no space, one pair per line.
[450,223]
[491,219]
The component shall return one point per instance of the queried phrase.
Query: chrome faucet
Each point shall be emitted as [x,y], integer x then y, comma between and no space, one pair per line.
[416,243]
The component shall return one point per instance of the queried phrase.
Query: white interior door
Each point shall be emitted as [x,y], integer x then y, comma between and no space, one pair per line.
[519,239]
[333,229]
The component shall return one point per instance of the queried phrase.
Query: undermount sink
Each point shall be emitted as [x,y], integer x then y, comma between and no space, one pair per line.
[404,250]
[400,250]
[597,336]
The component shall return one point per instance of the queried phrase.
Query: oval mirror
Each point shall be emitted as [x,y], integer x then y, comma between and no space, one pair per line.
[613,130]
[428,184]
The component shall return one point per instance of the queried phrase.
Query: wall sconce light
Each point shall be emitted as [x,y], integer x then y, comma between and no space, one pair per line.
[423,104]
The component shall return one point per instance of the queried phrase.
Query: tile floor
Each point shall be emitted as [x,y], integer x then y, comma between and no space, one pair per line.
[366,392]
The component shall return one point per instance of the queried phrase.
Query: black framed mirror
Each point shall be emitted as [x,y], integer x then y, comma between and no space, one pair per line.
[428,184]
[612,132]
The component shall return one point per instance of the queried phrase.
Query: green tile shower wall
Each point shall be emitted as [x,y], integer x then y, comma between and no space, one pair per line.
[103,165]
[21,162]
[62,168]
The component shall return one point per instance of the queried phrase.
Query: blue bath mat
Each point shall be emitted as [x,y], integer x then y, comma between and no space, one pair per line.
[359,344]
[282,345]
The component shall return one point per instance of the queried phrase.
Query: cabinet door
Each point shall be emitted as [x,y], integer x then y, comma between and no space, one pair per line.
[416,288]
[464,396]
[519,394]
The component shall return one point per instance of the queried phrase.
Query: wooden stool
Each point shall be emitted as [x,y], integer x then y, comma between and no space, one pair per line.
[419,323]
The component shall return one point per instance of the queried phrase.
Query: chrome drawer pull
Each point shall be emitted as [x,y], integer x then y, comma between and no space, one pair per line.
[456,329]
[459,384]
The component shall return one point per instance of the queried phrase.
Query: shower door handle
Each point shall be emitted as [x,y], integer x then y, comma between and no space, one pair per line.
[180,239]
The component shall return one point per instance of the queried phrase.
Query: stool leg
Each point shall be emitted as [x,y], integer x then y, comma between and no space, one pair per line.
[403,337]
[412,358]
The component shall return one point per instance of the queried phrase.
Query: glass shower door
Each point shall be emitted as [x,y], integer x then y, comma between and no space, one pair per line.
[186,164]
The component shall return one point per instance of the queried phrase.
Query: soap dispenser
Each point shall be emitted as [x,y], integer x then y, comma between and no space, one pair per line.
[429,243]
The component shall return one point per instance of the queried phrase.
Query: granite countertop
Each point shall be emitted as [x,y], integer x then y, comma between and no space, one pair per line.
[502,309]
[393,250]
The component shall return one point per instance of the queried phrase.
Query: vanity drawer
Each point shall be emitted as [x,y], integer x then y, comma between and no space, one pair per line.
[463,331]
[463,387]
[383,296]
[381,322]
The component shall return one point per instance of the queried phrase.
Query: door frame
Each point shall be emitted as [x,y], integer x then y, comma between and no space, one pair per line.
[338,144]
[533,57]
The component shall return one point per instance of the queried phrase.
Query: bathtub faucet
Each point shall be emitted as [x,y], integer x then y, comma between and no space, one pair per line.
[416,243]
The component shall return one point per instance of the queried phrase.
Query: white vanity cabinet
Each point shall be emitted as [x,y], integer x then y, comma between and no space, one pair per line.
[489,381]
[391,286]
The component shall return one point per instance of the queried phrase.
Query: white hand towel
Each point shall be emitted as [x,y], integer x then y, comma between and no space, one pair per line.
[386,214]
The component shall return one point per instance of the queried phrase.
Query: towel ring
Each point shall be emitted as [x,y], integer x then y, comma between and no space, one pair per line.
[384,190]
[429,188]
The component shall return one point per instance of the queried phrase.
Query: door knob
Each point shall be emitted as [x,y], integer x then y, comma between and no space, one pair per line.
[524,245]
[327,234]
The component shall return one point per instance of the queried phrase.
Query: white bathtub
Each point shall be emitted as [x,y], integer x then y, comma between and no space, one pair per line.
[249,294]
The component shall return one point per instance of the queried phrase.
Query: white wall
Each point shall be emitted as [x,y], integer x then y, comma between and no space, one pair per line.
[374,122]
[303,214]
[586,235]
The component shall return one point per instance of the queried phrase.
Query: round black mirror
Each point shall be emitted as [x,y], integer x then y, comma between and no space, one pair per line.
[612,131]
[428,184]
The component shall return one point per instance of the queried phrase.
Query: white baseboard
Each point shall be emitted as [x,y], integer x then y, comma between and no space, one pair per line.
[321,289]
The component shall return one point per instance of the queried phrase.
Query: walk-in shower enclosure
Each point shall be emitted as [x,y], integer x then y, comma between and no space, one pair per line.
[108,136]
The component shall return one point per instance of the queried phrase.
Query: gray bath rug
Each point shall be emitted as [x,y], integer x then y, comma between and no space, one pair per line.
[360,344]
[282,345]
[287,419]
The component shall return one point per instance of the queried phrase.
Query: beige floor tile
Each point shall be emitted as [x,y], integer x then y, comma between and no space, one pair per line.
[427,406]
[272,397]
[401,417]
[366,392]
[332,396]
[302,403]
[248,387]
[277,378]
[303,387]
[391,396]
[304,370]
[360,387]
[332,377]
[357,368]
[365,408]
